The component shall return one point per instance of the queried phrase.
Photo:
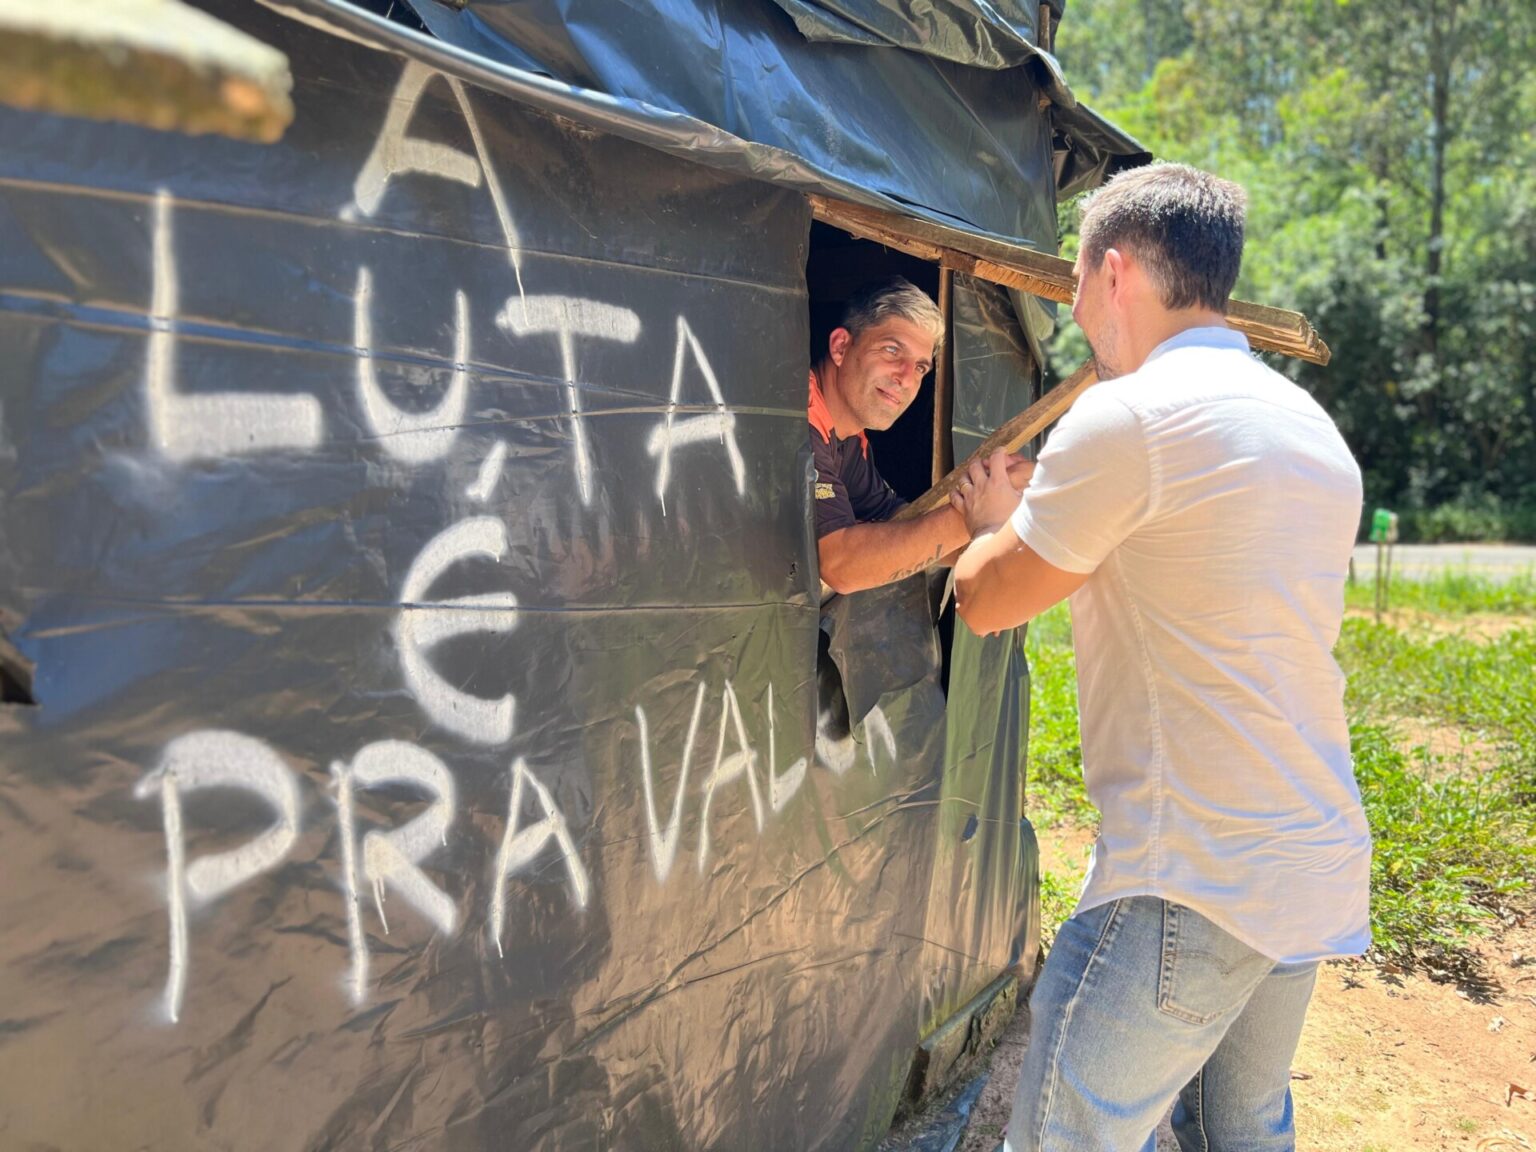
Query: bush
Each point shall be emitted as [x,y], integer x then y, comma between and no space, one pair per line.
[1482,518]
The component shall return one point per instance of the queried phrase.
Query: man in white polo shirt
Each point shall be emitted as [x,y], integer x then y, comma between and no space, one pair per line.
[1199,510]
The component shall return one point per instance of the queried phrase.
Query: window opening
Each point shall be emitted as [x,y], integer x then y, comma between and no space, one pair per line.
[913,452]
[838,265]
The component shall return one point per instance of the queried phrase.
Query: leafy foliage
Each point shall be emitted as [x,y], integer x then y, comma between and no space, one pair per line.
[1390,158]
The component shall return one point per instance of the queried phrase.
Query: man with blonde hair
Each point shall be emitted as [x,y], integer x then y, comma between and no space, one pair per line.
[1200,510]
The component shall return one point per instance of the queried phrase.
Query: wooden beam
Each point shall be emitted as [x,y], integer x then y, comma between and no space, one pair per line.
[1010,437]
[943,386]
[156,63]
[1050,277]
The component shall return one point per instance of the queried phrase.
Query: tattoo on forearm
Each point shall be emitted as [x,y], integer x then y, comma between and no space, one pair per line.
[920,566]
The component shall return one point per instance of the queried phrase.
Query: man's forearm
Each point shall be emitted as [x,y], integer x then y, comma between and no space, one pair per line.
[869,555]
[1001,582]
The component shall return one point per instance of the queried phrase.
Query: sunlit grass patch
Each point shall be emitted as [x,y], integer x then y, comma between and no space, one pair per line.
[1487,689]
[1055,787]
[1453,592]
[1451,856]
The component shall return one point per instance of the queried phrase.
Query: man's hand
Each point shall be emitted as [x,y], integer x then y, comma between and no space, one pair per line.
[987,497]
[1021,470]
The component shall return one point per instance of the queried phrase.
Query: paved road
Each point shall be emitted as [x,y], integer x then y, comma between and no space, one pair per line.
[1497,561]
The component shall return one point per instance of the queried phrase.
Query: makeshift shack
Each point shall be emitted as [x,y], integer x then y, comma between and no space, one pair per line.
[414,734]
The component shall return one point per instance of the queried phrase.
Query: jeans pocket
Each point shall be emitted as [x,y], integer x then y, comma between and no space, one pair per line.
[1206,972]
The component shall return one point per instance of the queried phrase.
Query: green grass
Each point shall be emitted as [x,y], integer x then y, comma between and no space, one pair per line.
[1485,685]
[1454,828]
[1451,856]
[1453,592]
[1055,754]
[1058,896]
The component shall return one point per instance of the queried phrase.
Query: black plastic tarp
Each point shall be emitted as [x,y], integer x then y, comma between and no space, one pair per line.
[1001,34]
[408,529]
[936,107]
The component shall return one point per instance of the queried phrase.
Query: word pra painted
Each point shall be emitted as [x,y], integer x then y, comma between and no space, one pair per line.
[380,862]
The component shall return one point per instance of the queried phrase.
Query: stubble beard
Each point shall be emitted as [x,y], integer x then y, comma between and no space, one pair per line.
[1102,370]
[877,417]
[1104,355]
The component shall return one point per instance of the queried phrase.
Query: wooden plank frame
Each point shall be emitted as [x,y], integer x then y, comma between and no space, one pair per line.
[160,64]
[1269,329]
[943,384]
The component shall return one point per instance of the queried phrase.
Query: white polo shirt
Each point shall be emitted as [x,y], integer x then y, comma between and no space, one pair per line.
[1216,505]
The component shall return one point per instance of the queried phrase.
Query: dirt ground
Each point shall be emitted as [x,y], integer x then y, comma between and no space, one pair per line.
[1387,1062]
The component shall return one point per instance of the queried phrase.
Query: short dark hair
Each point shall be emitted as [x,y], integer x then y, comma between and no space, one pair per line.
[1185,225]
[893,296]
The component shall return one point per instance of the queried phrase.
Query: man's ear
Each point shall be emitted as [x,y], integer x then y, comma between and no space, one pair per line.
[1114,269]
[837,345]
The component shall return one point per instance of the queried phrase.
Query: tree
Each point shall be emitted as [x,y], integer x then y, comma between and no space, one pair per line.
[1388,151]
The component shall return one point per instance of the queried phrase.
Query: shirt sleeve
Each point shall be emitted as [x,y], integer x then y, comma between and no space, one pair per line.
[1093,486]
[834,510]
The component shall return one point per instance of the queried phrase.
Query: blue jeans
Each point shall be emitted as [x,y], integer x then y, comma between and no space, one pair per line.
[1143,1003]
